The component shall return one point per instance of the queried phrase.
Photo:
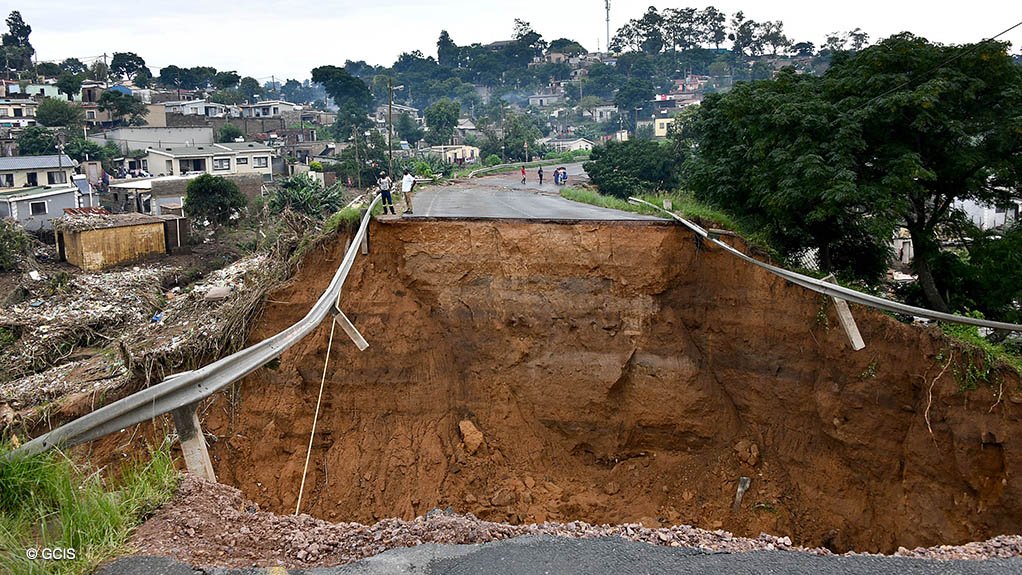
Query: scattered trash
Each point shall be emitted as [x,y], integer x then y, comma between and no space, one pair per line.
[158,317]
[217,293]
[36,276]
[36,303]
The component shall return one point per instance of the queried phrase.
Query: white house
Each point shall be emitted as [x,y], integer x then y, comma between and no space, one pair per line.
[541,100]
[32,171]
[216,159]
[988,217]
[268,109]
[197,108]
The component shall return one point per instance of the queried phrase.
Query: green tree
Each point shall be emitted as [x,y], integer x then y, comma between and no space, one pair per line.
[250,88]
[566,47]
[73,66]
[225,80]
[49,69]
[635,94]
[122,106]
[37,141]
[70,84]
[622,169]
[302,193]
[345,89]
[446,51]
[441,119]
[409,130]
[81,149]
[213,198]
[126,65]
[98,71]
[17,50]
[53,112]
[951,133]
[227,97]
[229,133]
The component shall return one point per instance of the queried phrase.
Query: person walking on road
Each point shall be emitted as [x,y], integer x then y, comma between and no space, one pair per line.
[523,174]
[384,184]
[407,185]
[540,174]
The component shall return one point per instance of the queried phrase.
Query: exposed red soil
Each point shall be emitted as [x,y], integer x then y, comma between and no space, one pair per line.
[616,372]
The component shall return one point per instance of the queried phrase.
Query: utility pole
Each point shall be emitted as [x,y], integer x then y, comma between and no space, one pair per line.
[358,165]
[390,126]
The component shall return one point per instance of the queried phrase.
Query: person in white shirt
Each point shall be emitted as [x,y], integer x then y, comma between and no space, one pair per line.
[407,185]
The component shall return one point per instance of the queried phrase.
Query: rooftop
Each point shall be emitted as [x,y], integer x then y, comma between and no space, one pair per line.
[10,163]
[23,193]
[96,221]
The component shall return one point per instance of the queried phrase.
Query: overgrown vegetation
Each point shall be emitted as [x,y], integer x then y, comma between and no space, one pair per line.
[48,501]
[13,244]
[303,193]
[683,203]
[980,360]
[213,198]
[625,169]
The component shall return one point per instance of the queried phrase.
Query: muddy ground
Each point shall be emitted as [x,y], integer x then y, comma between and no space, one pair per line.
[616,373]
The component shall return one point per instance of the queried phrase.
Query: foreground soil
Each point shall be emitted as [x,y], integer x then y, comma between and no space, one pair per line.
[212,525]
[617,373]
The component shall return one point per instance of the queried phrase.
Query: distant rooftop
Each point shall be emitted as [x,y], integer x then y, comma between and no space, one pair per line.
[21,193]
[10,163]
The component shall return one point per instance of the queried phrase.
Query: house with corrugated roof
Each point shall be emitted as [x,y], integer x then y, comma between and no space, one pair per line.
[32,171]
[35,208]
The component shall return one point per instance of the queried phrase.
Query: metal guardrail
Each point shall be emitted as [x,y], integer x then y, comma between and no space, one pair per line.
[189,387]
[835,290]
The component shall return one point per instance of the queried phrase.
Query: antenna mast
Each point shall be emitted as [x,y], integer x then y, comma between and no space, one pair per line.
[608,25]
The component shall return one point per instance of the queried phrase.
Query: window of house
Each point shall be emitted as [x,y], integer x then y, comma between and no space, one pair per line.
[37,208]
[56,178]
[6,180]
[242,161]
[221,163]
[3,112]
[261,162]
[90,115]
[17,112]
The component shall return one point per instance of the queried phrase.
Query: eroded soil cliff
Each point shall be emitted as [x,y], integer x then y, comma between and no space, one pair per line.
[616,372]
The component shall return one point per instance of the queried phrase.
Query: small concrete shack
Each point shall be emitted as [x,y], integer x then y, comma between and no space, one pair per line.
[95,239]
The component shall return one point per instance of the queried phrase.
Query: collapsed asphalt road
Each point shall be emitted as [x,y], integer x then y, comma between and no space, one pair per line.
[532,555]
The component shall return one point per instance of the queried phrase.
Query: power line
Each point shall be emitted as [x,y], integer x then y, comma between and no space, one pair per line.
[972,48]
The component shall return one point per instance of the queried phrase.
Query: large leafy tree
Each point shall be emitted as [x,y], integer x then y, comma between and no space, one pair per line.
[345,89]
[408,129]
[37,141]
[70,84]
[250,88]
[123,106]
[937,124]
[213,198]
[53,112]
[441,119]
[625,168]
[16,48]
[892,135]
[126,65]
[446,51]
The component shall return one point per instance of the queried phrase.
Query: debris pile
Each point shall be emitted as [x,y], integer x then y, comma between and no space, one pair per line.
[210,524]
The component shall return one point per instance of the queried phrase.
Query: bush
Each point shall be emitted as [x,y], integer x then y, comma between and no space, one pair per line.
[623,169]
[213,198]
[491,160]
[229,133]
[316,166]
[13,243]
[302,193]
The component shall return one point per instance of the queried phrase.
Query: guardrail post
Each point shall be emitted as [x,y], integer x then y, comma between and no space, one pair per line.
[844,316]
[193,444]
[365,243]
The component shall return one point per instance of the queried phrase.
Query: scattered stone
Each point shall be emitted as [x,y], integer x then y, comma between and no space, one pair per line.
[748,452]
[611,488]
[471,435]
[218,293]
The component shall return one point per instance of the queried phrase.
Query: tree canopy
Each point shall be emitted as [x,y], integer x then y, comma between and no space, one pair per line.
[53,112]
[890,136]
[441,119]
[122,106]
[214,198]
[345,89]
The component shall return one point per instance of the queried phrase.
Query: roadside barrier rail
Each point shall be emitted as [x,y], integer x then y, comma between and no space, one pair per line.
[834,290]
[188,388]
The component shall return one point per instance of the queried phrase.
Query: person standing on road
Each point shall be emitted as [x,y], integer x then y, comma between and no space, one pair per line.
[407,185]
[523,174]
[540,174]
[384,184]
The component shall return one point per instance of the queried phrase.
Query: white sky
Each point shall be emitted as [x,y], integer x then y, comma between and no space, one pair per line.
[261,38]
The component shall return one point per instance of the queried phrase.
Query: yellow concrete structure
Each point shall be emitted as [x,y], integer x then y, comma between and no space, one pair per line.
[96,242]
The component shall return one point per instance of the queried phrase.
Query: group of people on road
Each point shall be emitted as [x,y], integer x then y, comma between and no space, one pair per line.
[560,175]
[384,184]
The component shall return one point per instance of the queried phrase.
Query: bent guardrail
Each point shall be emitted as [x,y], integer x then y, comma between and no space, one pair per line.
[183,389]
[834,290]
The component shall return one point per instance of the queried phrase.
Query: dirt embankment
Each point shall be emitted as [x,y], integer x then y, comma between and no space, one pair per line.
[615,373]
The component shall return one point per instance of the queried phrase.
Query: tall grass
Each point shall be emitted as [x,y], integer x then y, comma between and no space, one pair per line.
[48,501]
[681,202]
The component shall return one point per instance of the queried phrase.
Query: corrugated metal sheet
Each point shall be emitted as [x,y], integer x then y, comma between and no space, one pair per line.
[11,163]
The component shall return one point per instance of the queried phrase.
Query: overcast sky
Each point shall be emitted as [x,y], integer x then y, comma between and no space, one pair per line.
[261,38]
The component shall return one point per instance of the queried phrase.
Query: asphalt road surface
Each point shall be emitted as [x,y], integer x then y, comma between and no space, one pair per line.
[504,196]
[532,555]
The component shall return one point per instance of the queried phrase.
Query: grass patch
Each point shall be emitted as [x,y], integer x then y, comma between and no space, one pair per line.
[343,219]
[683,203]
[49,502]
[979,362]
